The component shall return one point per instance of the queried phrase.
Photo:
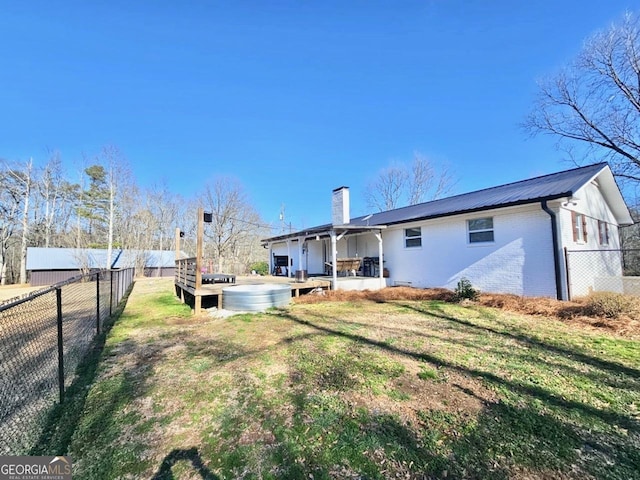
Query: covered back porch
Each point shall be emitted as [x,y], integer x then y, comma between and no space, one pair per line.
[352,257]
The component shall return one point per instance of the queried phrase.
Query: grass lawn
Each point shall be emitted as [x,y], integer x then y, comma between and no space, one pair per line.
[376,390]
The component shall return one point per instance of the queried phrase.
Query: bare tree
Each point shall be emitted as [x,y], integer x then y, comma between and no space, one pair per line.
[10,204]
[26,180]
[594,102]
[402,184]
[385,192]
[22,178]
[56,203]
[50,191]
[426,182]
[235,222]
[165,207]
[117,174]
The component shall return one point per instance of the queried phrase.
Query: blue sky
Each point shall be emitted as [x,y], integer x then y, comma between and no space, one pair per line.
[293,98]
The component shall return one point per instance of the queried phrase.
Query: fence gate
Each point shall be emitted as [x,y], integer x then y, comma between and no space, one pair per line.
[603,271]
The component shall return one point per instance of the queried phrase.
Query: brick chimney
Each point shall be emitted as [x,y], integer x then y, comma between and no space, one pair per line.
[340,206]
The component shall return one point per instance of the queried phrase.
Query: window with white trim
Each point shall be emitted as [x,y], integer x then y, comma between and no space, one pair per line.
[413,237]
[579,222]
[603,231]
[480,230]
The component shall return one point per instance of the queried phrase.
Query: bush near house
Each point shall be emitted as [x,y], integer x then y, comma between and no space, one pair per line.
[261,268]
[465,291]
[610,305]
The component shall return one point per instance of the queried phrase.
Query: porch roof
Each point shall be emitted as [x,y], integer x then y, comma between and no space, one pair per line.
[324,231]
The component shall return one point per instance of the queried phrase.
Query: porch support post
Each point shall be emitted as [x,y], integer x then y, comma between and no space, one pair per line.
[289,257]
[199,242]
[380,262]
[300,245]
[334,258]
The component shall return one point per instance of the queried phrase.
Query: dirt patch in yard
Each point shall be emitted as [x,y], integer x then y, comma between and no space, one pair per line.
[574,313]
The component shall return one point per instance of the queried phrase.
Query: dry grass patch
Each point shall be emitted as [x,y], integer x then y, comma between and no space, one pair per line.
[602,310]
[383,295]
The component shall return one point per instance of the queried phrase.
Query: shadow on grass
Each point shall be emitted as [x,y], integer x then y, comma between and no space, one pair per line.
[596,362]
[190,455]
[610,373]
[537,392]
[538,437]
[63,419]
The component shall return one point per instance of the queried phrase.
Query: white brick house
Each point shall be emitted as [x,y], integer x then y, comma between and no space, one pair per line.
[506,239]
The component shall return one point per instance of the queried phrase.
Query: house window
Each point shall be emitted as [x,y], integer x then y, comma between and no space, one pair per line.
[579,222]
[412,237]
[603,231]
[480,230]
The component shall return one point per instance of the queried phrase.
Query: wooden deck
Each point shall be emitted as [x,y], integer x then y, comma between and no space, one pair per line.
[212,293]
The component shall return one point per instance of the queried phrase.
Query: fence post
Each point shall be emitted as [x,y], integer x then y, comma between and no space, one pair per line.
[110,292]
[98,303]
[566,262]
[60,344]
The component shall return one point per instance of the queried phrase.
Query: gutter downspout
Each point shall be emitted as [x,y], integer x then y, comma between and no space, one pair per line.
[556,255]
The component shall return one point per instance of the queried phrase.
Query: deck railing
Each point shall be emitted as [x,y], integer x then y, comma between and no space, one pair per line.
[186,272]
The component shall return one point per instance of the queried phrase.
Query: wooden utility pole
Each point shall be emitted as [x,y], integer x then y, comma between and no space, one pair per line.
[177,244]
[199,240]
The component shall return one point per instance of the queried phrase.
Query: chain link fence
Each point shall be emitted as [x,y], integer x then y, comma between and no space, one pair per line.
[43,339]
[603,271]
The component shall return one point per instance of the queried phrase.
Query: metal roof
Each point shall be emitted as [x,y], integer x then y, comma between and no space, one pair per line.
[556,185]
[546,187]
[74,258]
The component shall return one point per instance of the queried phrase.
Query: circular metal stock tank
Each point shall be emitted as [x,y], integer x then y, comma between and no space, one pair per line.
[255,298]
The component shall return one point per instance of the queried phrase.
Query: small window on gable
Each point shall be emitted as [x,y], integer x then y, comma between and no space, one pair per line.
[579,222]
[480,230]
[412,237]
[603,231]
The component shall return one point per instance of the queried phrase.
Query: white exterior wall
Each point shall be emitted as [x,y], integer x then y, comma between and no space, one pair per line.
[592,204]
[281,249]
[315,257]
[593,270]
[519,261]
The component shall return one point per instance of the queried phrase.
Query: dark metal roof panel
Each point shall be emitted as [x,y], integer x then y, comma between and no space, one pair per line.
[546,187]
[555,185]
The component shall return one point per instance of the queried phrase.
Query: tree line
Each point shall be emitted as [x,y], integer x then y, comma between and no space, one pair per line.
[100,205]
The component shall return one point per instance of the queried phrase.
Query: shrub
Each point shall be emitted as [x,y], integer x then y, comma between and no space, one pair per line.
[261,268]
[465,291]
[610,305]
